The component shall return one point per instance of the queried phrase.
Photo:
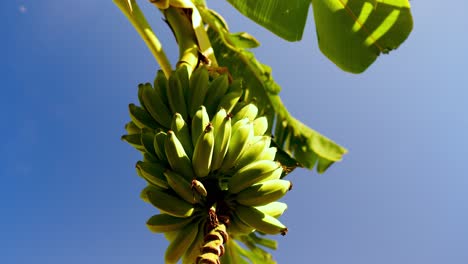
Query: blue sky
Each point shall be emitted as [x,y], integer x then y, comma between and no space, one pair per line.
[69,191]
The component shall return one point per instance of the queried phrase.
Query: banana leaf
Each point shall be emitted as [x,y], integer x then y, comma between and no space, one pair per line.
[352,34]
[309,148]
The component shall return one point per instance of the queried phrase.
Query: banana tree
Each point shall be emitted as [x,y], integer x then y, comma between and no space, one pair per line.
[216,140]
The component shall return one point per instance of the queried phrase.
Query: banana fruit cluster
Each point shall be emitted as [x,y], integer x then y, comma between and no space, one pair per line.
[204,148]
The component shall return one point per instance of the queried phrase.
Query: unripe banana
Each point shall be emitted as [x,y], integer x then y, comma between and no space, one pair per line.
[216,91]
[182,131]
[275,209]
[240,104]
[154,104]
[203,152]
[183,76]
[152,173]
[194,250]
[158,144]
[199,188]
[176,97]
[237,226]
[268,154]
[131,128]
[236,125]
[181,186]
[150,158]
[237,144]
[134,140]
[260,221]
[254,151]
[199,83]
[264,192]
[222,134]
[149,188]
[232,96]
[171,235]
[161,86]
[177,157]
[181,243]
[199,122]
[162,223]
[169,203]
[256,172]
[147,139]
[249,111]
[260,125]
[141,118]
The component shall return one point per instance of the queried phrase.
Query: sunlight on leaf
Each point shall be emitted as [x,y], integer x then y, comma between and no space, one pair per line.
[353,34]
[284,18]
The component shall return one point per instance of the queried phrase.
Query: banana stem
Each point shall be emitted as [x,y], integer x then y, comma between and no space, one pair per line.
[138,20]
[180,24]
[213,245]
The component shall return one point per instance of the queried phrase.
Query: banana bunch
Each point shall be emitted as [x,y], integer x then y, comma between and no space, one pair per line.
[204,148]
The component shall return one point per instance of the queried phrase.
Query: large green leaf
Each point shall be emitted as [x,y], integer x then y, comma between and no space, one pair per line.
[284,18]
[352,33]
[302,143]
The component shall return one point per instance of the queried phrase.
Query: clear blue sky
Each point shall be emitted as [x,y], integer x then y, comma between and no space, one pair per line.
[69,192]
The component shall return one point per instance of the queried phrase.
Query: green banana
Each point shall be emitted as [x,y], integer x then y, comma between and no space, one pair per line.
[181,186]
[268,154]
[169,203]
[160,86]
[260,125]
[222,135]
[183,76]
[177,157]
[147,139]
[194,250]
[175,96]
[249,111]
[260,221]
[237,226]
[132,128]
[170,235]
[236,125]
[141,118]
[275,209]
[149,188]
[158,145]
[199,122]
[199,83]
[232,96]
[254,151]
[150,158]
[162,223]
[264,192]
[154,104]
[181,243]
[237,144]
[199,188]
[182,131]
[134,140]
[255,172]
[152,173]
[203,152]
[218,87]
